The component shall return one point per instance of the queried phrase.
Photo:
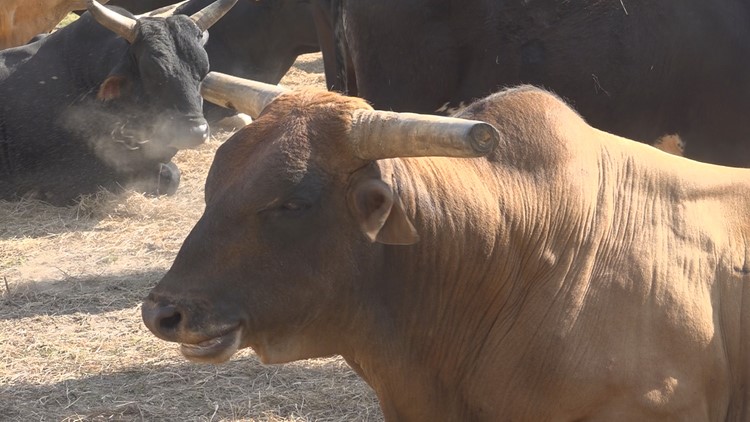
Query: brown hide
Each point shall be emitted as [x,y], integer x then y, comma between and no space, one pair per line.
[570,275]
[21,20]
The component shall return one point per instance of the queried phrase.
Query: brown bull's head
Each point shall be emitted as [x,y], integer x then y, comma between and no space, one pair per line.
[297,211]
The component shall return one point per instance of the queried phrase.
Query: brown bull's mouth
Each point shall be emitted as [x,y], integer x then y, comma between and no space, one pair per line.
[214,350]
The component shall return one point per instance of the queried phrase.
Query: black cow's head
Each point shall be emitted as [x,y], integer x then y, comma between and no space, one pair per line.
[151,99]
[257,39]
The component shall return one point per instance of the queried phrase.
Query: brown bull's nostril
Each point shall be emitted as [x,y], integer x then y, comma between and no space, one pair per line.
[170,320]
[162,320]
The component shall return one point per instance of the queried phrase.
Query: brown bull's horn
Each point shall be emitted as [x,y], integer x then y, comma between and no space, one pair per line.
[246,96]
[384,134]
[115,22]
[210,14]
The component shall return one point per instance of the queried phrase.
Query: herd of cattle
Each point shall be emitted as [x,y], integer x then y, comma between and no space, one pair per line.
[518,260]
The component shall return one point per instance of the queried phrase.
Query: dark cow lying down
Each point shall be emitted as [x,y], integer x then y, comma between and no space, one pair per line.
[106,101]
[567,275]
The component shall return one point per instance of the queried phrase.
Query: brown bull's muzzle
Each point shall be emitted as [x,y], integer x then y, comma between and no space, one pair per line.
[374,134]
[199,341]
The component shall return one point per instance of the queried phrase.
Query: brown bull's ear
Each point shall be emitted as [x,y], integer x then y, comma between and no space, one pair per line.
[111,88]
[381,214]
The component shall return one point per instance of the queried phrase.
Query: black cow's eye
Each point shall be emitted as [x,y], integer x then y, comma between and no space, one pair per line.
[203,37]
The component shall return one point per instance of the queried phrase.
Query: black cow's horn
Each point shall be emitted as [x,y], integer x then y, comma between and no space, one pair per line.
[243,95]
[115,22]
[385,134]
[83,4]
[210,14]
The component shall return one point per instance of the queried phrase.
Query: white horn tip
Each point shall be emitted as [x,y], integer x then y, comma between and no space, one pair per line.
[484,138]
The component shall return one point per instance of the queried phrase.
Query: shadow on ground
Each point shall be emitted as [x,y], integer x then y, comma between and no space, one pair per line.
[82,295]
[326,390]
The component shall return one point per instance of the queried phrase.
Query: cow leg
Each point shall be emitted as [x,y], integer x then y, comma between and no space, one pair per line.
[161,180]
[215,114]
[169,179]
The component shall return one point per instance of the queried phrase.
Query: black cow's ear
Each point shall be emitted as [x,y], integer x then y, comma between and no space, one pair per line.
[381,215]
[111,88]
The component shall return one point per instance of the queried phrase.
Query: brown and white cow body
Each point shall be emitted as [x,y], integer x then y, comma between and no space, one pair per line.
[21,20]
[568,275]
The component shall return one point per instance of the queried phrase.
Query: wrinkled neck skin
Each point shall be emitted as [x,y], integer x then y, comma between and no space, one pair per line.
[460,301]
[519,267]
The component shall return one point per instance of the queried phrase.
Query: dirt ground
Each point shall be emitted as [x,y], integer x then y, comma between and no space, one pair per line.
[72,344]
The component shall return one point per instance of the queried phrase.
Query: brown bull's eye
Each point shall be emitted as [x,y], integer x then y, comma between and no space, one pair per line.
[294,206]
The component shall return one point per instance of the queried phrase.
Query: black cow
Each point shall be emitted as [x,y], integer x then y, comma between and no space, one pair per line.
[636,68]
[257,40]
[89,106]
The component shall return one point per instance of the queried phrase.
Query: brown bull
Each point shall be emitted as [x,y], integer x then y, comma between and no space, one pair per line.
[20,20]
[568,275]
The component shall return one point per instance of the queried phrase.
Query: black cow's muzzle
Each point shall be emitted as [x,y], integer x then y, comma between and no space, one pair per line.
[188,133]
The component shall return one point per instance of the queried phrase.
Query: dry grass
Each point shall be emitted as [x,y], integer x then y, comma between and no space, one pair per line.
[72,345]
[67,20]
